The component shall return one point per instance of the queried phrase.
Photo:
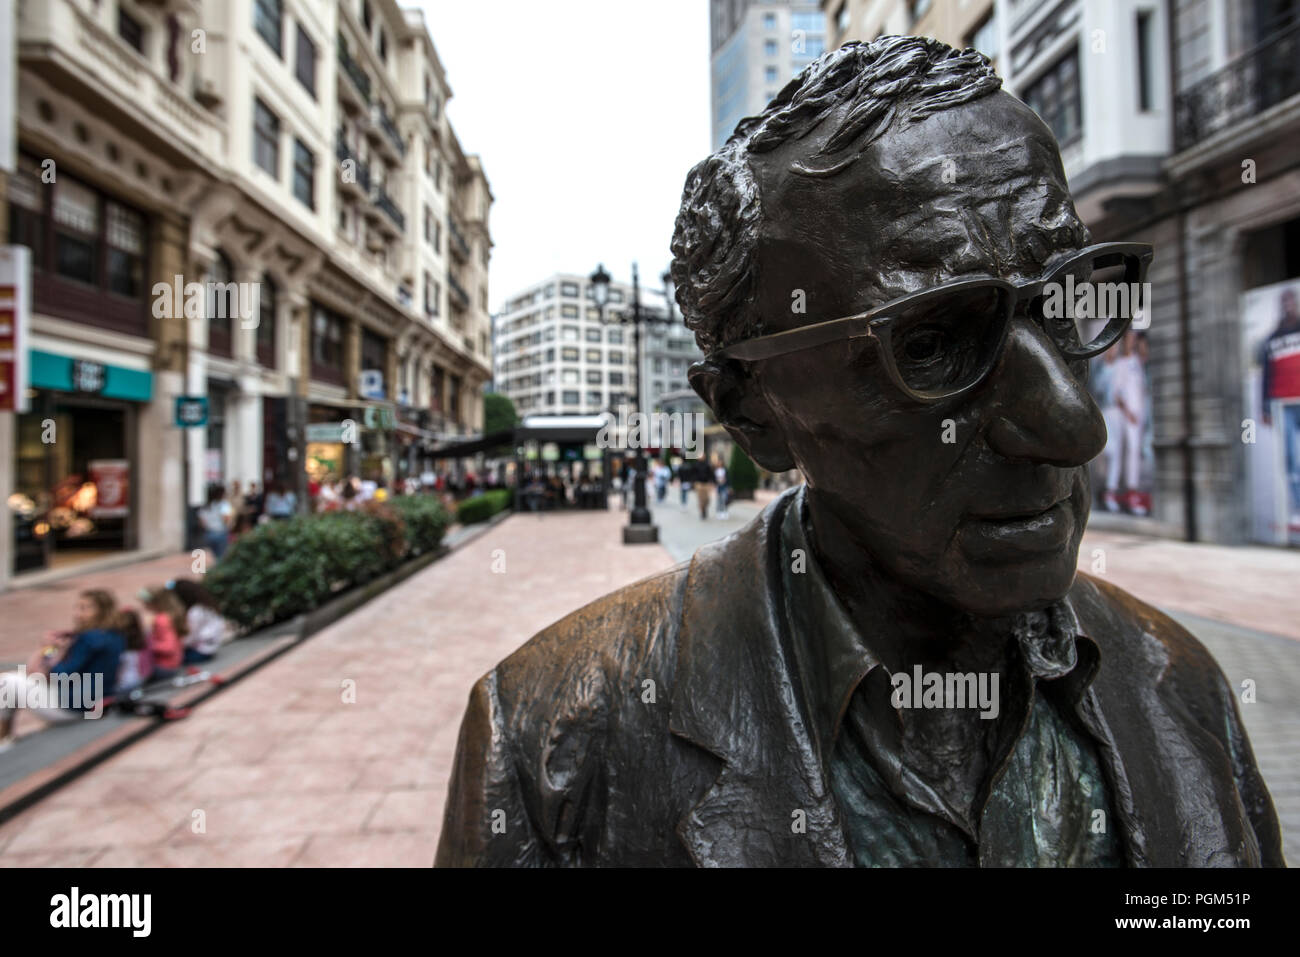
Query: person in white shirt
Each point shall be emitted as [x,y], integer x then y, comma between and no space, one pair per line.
[1128,388]
[205,628]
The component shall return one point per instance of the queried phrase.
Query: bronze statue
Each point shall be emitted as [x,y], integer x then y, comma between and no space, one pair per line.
[896,663]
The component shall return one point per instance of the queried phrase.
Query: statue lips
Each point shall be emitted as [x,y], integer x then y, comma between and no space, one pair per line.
[1013,534]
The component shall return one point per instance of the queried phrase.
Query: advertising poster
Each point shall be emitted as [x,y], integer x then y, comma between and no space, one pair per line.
[1270,323]
[110,477]
[1123,476]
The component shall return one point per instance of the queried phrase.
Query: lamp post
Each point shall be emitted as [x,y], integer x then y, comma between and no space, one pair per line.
[639,529]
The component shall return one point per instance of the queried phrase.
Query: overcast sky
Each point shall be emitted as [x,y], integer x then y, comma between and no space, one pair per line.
[588,115]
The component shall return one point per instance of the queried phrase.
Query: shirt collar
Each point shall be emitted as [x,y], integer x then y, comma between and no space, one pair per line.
[834,656]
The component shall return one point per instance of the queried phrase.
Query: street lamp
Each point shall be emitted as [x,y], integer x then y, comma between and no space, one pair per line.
[639,529]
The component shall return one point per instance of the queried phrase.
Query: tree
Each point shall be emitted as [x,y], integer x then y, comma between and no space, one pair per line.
[498,413]
[742,474]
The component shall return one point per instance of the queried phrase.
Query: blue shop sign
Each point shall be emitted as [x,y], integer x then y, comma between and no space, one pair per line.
[66,374]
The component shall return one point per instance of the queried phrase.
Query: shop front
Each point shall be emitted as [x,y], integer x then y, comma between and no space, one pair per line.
[75,480]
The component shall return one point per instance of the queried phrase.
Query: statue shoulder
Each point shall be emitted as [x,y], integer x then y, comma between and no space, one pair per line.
[1128,630]
[603,648]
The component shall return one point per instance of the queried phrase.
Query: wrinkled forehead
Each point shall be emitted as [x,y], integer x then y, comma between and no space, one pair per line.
[974,189]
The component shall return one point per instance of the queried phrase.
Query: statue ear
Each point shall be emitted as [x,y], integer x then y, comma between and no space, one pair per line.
[743,410]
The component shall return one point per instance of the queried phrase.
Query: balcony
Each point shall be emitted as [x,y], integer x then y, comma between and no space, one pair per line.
[1260,78]
[358,184]
[358,94]
[384,203]
[459,297]
[66,48]
[390,136]
[459,247]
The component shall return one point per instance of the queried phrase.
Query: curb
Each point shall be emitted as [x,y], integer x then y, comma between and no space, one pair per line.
[21,795]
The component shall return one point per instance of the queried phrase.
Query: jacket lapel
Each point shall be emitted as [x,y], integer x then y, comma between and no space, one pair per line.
[734,694]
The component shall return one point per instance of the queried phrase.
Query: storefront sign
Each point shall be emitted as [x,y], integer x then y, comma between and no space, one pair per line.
[111,487]
[372,383]
[66,374]
[325,432]
[191,411]
[379,417]
[15,317]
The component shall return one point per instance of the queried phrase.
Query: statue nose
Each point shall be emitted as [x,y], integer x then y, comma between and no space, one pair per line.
[1041,411]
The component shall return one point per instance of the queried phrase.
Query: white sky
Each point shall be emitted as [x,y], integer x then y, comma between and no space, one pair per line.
[588,114]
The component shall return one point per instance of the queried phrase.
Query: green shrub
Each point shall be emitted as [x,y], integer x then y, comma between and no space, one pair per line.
[482,507]
[426,521]
[742,474]
[286,568]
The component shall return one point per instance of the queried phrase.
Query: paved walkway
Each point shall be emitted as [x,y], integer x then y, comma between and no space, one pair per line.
[279,770]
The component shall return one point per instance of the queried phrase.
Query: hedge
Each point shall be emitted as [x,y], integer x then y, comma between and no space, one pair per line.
[482,507]
[284,568]
[742,474]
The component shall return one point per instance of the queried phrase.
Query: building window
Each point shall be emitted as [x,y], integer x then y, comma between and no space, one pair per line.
[594,398]
[985,36]
[1144,59]
[770,74]
[769,48]
[569,289]
[1055,97]
[593,377]
[919,8]
[571,397]
[437,173]
[593,335]
[428,225]
[769,21]
[124,245]
[570,312]
[593,355]
[326,345]
[221,305]
[616,378]
[616,357]
[367,16]
[266,138]
[305,62]
[304,174]
[267,300]
[383,47]
[76,229]
[267,17]
[842,18]
[569,354]
[615,337]
[131,30]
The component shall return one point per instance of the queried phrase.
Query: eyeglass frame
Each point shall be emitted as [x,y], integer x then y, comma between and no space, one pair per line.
[1136,258]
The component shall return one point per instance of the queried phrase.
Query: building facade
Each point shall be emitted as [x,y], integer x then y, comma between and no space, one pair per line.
[260,203]
[756,46]
[554,355]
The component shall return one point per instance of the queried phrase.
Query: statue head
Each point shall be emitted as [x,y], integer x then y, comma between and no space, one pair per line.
[863,266]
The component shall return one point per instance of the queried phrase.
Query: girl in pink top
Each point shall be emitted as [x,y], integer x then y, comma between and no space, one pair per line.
[166,635]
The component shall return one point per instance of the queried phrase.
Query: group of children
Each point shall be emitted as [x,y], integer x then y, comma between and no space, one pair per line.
[109,648]
[186,629]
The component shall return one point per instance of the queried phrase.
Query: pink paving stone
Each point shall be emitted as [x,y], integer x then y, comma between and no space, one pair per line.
[414,653]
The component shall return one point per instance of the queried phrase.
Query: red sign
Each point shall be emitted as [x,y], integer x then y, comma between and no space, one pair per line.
[112,485]
[15,275]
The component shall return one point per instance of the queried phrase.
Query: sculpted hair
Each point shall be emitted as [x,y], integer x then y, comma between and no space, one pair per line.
[887,81]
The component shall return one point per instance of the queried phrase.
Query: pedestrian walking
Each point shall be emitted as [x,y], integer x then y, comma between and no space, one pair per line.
[724,488]
[703,481]
[216,519]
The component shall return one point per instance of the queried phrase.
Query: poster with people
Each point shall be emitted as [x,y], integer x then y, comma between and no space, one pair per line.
[1123,476]
[1270,323]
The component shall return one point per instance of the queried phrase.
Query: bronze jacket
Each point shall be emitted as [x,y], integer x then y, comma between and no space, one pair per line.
[662,726]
